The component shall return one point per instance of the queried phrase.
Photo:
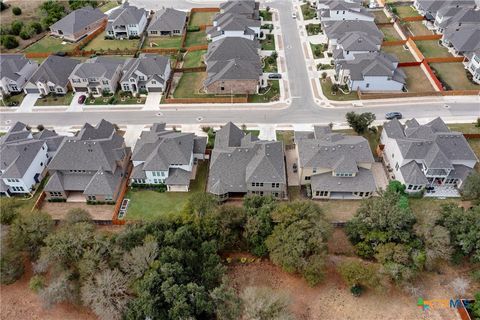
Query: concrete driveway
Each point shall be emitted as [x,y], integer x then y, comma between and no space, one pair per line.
[28,102]
[153,101]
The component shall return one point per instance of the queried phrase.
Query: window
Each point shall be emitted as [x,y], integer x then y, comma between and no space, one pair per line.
[55,194]
[108,198]
[321,193]
[154,82]
[396,166]
[126,87]
[105,82]
[393,156]
[276,185]
[222,88]
[314,170]
[409,187]
[367,85]
[92,198]
[153,32]
[132,80]
[14,87]
[307,178]
[59,90]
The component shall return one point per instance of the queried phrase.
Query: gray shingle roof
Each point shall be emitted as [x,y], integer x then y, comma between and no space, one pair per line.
[241,7]
[178,177]
[233,48]
[467,39]
[232,70]
[100,67]
[11,65]
[78,19]
[360,41]
[151,65]
[168,19]
[412,174]
[337,29]
[126,14]
[103,183]
[55,69]
[363,181]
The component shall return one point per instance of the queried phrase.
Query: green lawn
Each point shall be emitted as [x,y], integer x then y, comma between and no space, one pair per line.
[268,43]
[149,205]
[308,12]
[405,11]
[454,75]
[339,96]
[417,28]
[380,16]
[390,34]
[317,50]
[313,29]
[194,59]
[109,5]
[50,44]
[196,38]
[285,136]
[269,64]
[100,43]
[191,86]
[400,52]
[464,127]
[201,18]
[118,100]
[55,100]
[163,42]
[271,93]
[266,15]
[432,49]
[13,101]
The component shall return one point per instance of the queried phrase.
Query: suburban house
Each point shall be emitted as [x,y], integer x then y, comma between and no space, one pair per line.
[90,166]
[335,166]
[376,71]
[354,43]
[167,157]
[455,18]
[241,164]
[97,75]
[464,41]
[233,66]
[15,70]
[338,10]
[473,65]
[167,22]
[427,156]
[24,159]
[78,24]
[51,76]
[232,25]
[126,22]
[429,8]
[335,30]
[247,8]
[147,73]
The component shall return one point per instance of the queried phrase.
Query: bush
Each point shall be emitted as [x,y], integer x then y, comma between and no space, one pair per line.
[37,26]
[16,11]
[112,100]
[9,42]
[3,6]
[8,211]
[26,33]
[11,266]
[193,29]
[16,27]
[356,291]
[36,283]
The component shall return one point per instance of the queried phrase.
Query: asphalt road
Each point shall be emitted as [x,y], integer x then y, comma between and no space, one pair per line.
[301,110]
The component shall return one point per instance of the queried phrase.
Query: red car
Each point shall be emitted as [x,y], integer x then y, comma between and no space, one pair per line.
[82,98]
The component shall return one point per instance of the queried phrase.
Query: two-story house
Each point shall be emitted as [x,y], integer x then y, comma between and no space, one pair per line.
[335,30]
[51,76]
[376,71]
[354,43]
[147,73]
[428,156]
[335,166]
[455,18]
[97,75]
[78,24]
[429,8]
[339,10]
[232,25]
[246,8]
[126,22]
[90,166]
[24,157]
[166,157]
[473,65]
[241,164]
[464,41]
[15,70]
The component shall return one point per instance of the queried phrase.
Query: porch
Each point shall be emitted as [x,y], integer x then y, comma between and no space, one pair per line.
[444,191]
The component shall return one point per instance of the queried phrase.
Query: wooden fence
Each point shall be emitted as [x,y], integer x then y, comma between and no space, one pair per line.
[417,18]
[471,135]
[394,43]
[393,95]
[427,37]
[413,47]
[432,75]
[199,47]
[205,10]
[191,69]
[206,100]
[444,59]
[82,43]
[409,64]
[120,197]
[160,50]
[38,203]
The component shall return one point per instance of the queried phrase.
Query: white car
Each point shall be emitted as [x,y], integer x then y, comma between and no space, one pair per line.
[294,15]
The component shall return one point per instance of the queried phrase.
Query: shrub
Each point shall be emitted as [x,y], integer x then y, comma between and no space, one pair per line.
[356,290]
[16,11]
[112,100]
[193,29]
[37,26]
[26,33]
[9,41]
[3,6]
[324,75]
[16,27]
[57,200]
[36,283]
[40,127]
[11,266]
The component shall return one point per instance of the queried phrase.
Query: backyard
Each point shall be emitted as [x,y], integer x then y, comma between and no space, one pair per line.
[50,44]
[190,85]
[308,12]
[417,28]
[403,55]
[201,18]
[268,43]
[194,59]
[150,205]
[55,100]
[285,136]
[432,49]
[405,11]
[268,94]
[390,34]
[338,96]
[454,75]
[196,38]
[417,81]
[380,16]
[100,43]
[163,42]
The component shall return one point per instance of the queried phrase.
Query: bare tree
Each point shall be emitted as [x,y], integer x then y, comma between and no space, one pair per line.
[61,289]
[106,294]
[460,286]
[261,303]
[138,260]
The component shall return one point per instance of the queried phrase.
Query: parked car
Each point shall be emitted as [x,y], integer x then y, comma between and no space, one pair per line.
[82,99]
[274,76]
[393,115]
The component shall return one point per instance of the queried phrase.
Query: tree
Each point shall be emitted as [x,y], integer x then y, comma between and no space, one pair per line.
[8,210]
[61,289]
[228,306]
[476,305]
[16,27]
[26,33]
[11,265]
[8,41]
[200,203]
[460,286]
[298,241]
[77,215]
[356,273]
[77,4]
[261,303]
[396,186]
[226,224]
[30,230]
[16,11]
[107,294]
[52,11]
[259,223]
[138,260]
[37,26]
[36,283]
[436,240]
[360,122]
[471,187]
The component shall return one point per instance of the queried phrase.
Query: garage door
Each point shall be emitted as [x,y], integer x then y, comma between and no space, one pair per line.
[81,89]
[32,90]
[155,89]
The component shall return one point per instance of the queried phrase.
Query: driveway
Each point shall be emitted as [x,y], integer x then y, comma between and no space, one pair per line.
[28,102]
[153,101]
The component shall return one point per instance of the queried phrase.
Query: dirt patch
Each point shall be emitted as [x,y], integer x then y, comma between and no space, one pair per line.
[339,244]
[19,302]
[58,210]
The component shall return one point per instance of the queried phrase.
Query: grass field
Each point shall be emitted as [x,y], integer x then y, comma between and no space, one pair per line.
[464,127]
[272,94]
[201,18]
[109,5]
[308,12]
[417,81]
[149,205]
[432,49]
[196,38]
[268,43]
[50,44]
[380,16]
[406,11]
[400,52]
[100,43]
[417,28]
[327,91]
[390,33]
[54,100]
[194,59]
[162,42]
[189,85]
[455,75]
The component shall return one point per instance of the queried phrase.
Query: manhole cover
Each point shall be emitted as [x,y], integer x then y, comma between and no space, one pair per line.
[159,114]
[8,121]
[199,118]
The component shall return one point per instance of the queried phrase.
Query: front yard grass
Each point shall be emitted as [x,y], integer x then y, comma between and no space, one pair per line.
[464,127]
[417,81]
[317,50]
[194,59]
[403,55]
[432,49]
[100,43]
[163,42]
[55,100]
[149,205]
[196,38]
[285,136]
[109,5]
[269,64]
[454,76]
[50,44]
[313,29]
[118,99]
[13,100]
[201,18]
[268,94]
[308,12]
[339,96]
[390,34]
[405,11]
[417,28]
[266,15]
[268,43]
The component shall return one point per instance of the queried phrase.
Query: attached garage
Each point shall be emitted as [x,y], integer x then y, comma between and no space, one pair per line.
[155,89]
[32,90]
[81,89]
